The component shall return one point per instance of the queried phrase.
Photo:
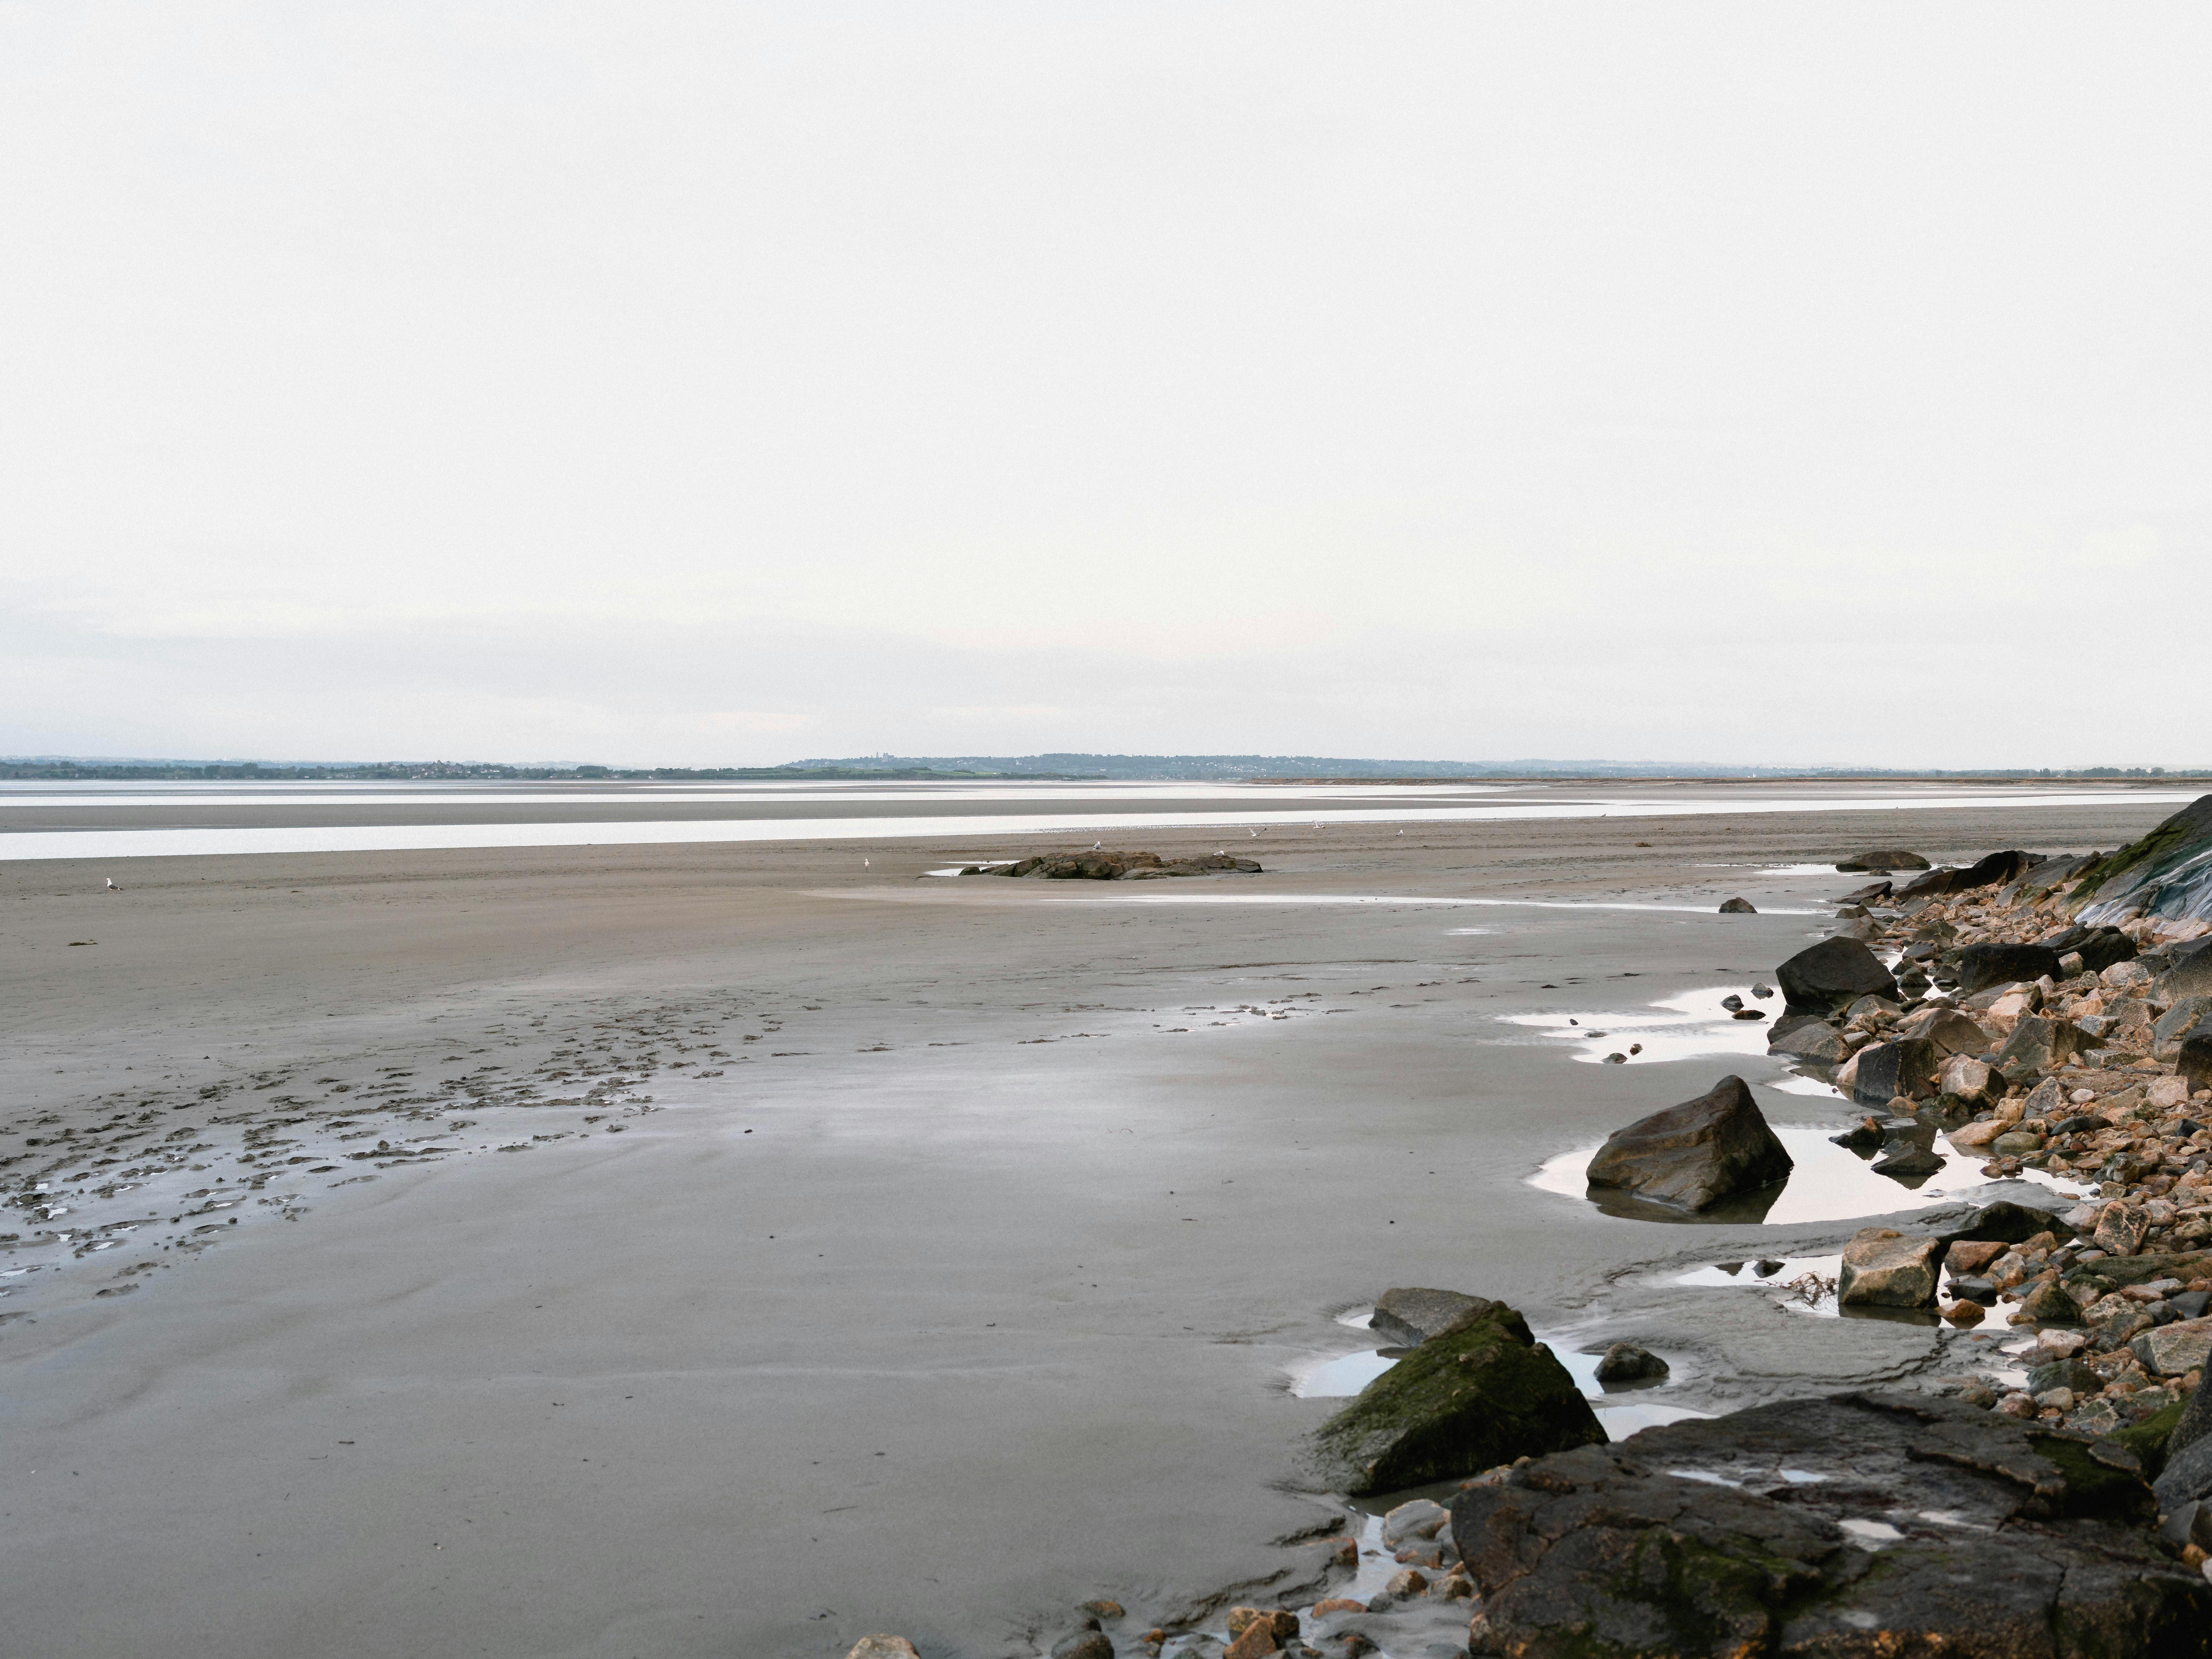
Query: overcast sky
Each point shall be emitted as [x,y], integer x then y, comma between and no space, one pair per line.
[719,383]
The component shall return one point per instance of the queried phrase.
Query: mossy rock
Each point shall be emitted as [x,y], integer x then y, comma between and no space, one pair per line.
[1481,1392]
[2147,1438]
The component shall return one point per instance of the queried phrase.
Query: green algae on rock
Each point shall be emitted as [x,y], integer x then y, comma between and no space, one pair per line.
[1481,1392]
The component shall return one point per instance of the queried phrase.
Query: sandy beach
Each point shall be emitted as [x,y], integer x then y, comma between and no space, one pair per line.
[728,1248]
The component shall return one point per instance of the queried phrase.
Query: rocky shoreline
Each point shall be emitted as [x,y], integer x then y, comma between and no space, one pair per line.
[2052,1014]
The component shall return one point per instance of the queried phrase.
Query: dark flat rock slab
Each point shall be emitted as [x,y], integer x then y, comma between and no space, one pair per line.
[1860,1526]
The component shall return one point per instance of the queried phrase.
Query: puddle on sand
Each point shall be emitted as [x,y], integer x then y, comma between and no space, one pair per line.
[1829,1184]
[1677,1027]
[1806,1284]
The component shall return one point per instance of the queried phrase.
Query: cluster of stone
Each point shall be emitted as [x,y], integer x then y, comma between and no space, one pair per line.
[2042,1041]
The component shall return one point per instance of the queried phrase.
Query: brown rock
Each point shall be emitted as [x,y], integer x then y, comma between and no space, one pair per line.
[1256,1640]
[883,1647]
[1336,1604]
[1411,1582]
[1280,1623]
[1885,1268]
[1969,1256]
[2122,1229]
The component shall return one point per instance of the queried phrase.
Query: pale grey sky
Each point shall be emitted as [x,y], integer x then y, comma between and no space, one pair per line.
[715,383]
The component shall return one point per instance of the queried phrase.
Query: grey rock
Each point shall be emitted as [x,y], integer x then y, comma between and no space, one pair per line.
[1411,1316]
[1888,1070]
[1828,977]
[2173,1349]
[1084,1645]
[2097,947]
[2051,875]
[1951,1032]
[1885,1268]
[2187,971]
[2007,1222]
[1981,966]
[2192,1056]
[1626,1362]
[2038,1045]
[1738,907]
[1994,870]
[1809,1039]
[2196,1422]
[2187,1477]
[1617,1550]
[1908,1162]
[1693,1156]
[1419,1517]
[2075,1374]
[1882,862]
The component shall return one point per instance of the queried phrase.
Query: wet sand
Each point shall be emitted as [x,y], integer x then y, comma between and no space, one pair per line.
[970,1288]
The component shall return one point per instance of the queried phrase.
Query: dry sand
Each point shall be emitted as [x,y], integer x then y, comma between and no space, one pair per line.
[968,1291]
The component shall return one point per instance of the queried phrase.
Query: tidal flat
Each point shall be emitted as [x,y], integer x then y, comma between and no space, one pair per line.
[727,1249]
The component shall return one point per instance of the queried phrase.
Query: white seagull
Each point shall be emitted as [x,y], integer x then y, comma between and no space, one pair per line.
[111,887]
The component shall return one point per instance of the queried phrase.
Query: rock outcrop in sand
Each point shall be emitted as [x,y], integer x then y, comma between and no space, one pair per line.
[1881,863]
[1114,866]
[1482,1391]
[1826,978]
[1692,1155]
[2168,874]
[1862,1525]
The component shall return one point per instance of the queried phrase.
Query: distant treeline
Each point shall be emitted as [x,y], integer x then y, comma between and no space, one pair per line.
[1072,768]
[1233,767]
[380,771]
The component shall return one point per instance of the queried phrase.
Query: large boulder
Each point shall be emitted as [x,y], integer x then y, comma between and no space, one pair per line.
[2188,971]
[1882,862]
[2038,1045]
[1811,1039]
[2007,1222]
[2196,1422]
[1885,1268]
[1692,1155]
[1981,966]
[1887,1070]
[2187,1477]
[1828,977]
[2192,1056]
[2097,947]
[2052,875]
[2167,1030]
[1994,870]
[1950,1032]
[1928,1527]
[2176,1349]
[1411,1316]
[1478,1393]
[1933,884]
[2168,874]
